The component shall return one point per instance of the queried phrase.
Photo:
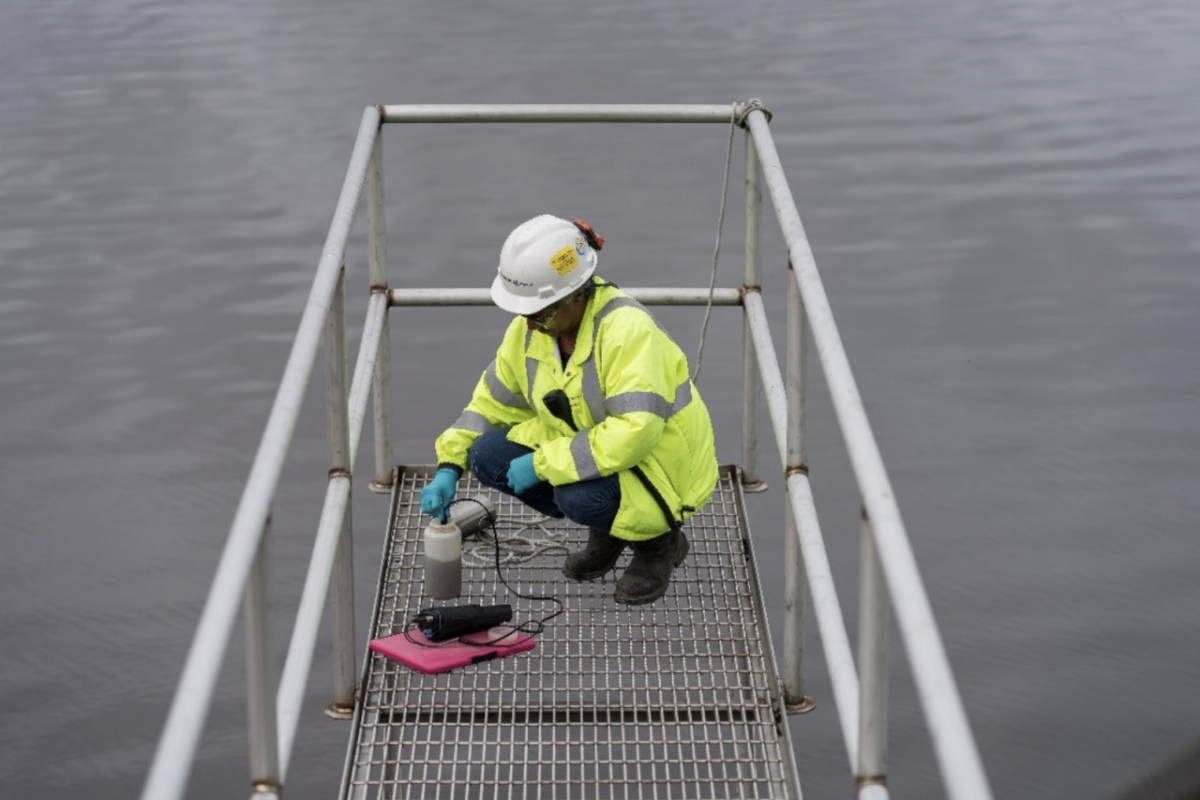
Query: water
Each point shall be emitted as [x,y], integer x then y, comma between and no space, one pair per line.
[1002,200]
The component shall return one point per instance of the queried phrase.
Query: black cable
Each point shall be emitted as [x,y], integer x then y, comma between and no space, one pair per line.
[534,626]
[530,628]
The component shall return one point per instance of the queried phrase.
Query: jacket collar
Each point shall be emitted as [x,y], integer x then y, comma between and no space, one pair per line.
[542,347]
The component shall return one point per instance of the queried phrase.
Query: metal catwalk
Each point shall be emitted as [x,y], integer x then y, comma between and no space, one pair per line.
[676,699]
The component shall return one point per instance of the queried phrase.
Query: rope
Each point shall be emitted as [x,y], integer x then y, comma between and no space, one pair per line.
[712,283]
[737,119]
[514,549]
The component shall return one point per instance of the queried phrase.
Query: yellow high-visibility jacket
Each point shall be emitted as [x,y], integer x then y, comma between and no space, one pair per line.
[632,400]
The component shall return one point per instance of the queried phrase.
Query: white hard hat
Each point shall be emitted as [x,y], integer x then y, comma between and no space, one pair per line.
[542,261]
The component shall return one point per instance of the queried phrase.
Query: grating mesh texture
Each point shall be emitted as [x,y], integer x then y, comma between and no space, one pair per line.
[669,700]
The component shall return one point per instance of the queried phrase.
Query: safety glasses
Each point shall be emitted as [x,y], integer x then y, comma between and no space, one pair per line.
[546,317]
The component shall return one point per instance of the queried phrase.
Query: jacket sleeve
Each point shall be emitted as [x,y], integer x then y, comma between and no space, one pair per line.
[533,433]
[638,396]
[497,402]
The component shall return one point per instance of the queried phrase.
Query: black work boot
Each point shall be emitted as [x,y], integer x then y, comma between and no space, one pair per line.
[596,559]
[649,573]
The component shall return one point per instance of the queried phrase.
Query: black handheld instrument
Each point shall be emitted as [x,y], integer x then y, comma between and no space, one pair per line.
[439,624]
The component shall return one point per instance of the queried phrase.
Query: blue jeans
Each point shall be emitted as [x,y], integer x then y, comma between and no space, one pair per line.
[592,503]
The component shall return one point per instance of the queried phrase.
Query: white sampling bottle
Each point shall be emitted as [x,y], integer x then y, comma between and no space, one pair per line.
[443,560]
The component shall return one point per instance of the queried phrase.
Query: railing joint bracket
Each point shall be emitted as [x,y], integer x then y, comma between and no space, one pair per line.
[339,711]
[338,472]
[744,110]
[802,706]
[756,486]
[800,469]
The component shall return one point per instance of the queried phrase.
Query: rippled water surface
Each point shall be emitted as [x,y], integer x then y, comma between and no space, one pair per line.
[1002,199]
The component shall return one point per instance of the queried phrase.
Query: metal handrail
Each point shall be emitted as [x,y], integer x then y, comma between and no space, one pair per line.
[888,571]
[176,750]
[557,113]
[958,756]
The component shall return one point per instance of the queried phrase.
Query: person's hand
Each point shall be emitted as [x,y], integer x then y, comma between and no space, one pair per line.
[436,496]
[521,477]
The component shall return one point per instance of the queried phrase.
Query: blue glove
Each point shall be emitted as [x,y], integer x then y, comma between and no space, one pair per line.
[521,477]
[436,497]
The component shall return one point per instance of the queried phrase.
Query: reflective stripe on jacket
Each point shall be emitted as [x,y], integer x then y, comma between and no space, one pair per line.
[631,398]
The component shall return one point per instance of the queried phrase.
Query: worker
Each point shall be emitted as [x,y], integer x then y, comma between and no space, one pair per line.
[587,412]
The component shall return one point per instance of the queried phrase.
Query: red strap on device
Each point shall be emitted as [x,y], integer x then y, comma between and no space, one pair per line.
[594,239]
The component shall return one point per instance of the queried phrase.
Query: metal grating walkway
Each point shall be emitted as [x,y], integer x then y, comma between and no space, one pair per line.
[677,699]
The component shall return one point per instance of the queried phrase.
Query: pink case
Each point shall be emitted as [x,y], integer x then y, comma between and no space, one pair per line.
[432,660]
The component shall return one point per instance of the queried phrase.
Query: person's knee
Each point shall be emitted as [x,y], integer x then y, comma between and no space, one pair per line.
[488,457]
[591,503]
[568,498]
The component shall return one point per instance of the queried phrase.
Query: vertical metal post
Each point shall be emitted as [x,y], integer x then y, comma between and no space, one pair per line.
[873,620]
[338,426]
[260,672]
[795,576]
[751,482]
[342,706]
[379,283]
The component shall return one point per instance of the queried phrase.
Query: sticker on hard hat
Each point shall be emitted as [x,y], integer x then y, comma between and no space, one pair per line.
[564,260]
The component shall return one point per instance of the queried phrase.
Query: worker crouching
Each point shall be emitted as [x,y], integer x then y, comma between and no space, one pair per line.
[587,412]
